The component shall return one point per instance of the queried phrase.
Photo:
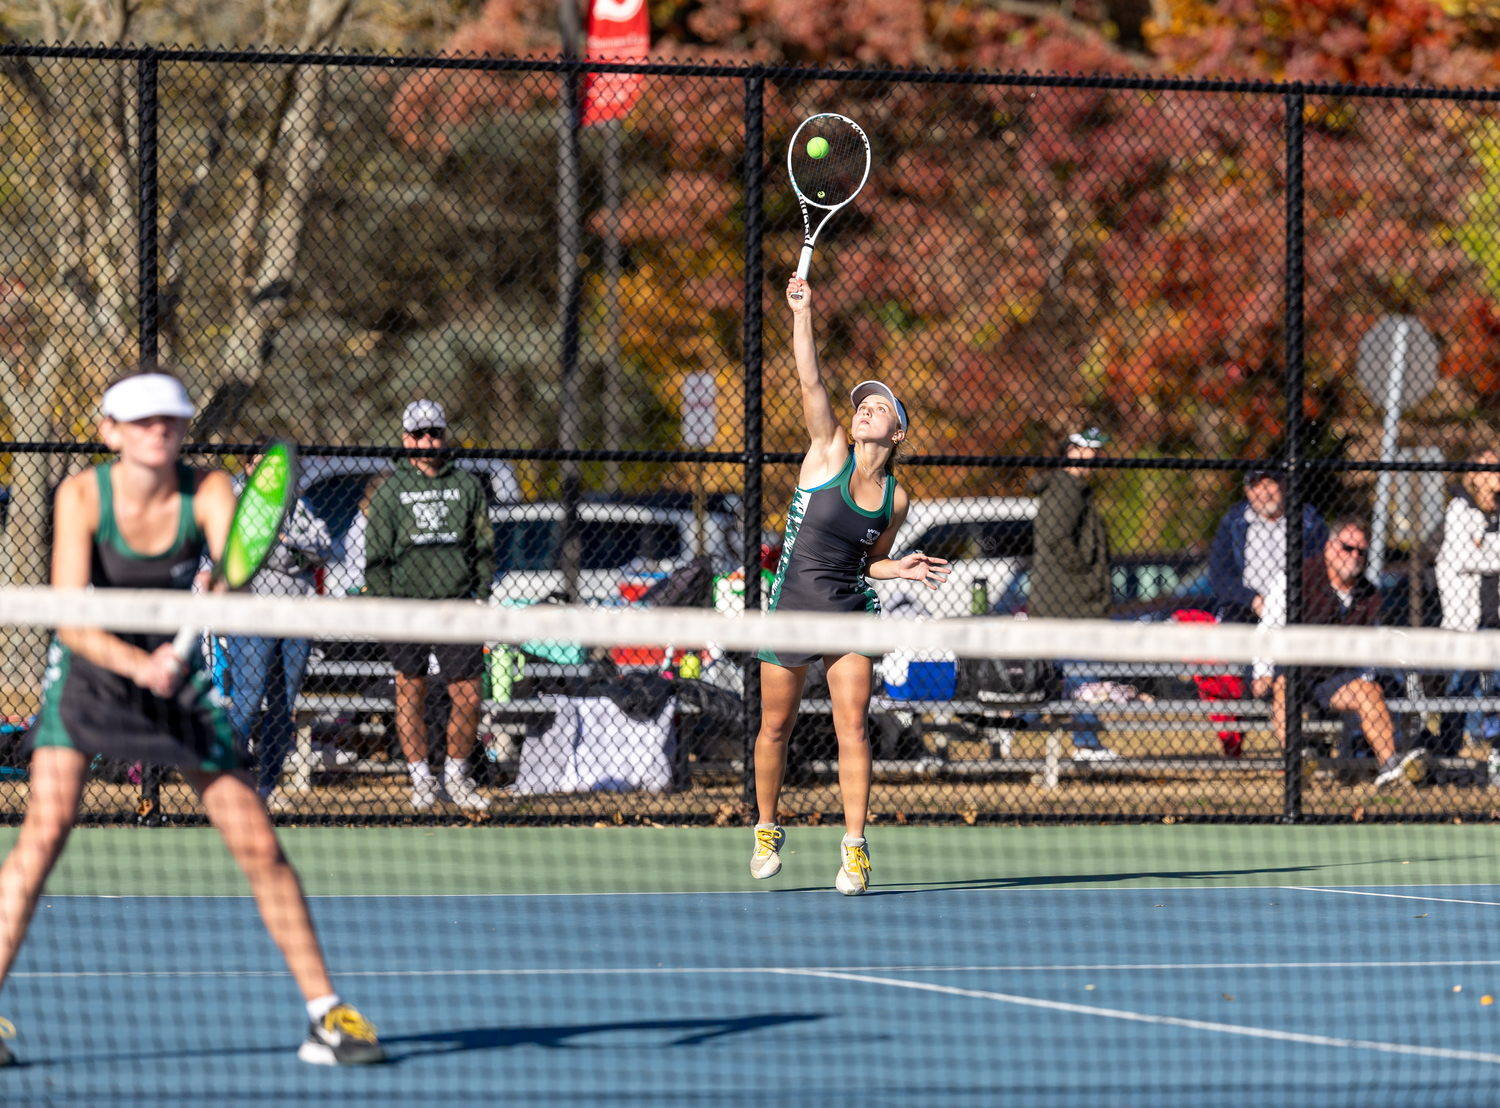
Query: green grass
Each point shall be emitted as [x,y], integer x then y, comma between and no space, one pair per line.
[438,861]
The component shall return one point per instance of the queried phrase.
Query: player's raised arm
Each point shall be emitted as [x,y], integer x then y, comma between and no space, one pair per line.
[827,443]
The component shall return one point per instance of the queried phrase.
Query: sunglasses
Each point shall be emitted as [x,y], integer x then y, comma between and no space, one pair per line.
[1347,549]
[429,433]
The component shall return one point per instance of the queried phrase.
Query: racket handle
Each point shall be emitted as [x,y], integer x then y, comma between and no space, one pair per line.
[186,642]
[804,262]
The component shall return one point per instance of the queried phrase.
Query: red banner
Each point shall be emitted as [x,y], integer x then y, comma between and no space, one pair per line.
[619,30]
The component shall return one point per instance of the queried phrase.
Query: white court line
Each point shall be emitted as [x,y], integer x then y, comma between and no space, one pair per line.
[1166,1021]
[643,971]
[1388,896]
[893,889]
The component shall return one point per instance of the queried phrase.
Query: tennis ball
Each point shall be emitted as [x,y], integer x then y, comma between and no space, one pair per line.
[1486,1000]
[817,147]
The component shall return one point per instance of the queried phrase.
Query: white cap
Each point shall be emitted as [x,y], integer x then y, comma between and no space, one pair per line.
[422,413]
[865,388]
[1090,438]
[145,395]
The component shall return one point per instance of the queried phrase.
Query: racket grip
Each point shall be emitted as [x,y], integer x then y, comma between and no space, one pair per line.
[804,262]
[186,642]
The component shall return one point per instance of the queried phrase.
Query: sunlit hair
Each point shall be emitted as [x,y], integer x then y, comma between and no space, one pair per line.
[1343,523]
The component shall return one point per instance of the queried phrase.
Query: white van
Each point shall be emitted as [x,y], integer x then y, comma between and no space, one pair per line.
[984,539]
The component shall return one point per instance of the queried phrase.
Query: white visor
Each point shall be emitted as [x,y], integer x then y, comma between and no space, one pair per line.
[146,395]
[865,388]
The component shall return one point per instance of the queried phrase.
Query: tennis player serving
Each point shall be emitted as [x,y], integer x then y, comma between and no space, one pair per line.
[843,518]
[143,522]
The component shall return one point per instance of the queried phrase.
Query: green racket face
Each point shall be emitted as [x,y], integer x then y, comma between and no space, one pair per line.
[258,516]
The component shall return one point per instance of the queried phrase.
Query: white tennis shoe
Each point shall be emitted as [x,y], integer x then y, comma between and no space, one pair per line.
[766,860]
[854,870]
[461,790]
[424,792]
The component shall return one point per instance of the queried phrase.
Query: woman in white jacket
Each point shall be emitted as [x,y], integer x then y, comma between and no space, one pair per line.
[1468,577]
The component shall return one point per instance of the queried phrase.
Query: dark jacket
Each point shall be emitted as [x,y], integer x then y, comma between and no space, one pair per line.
[1070,561]
[1321,605]
[1226,560]
[429,537]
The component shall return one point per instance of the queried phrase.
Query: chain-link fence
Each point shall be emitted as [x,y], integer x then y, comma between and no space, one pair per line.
[1151,266]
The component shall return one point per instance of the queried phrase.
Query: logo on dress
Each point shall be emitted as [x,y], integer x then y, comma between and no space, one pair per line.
[871,534]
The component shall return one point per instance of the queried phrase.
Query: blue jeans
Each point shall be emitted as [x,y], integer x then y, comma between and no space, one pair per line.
[1482,726]
[269,669]
[1070,685]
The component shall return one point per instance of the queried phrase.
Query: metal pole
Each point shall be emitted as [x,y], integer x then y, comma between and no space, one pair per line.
[754,448]
[1389,433]
[1292,789]
[570,299]
[147,291]
[614,408]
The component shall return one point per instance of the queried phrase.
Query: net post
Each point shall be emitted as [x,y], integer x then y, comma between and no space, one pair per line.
[147,202]
[754,458]
[1292,786]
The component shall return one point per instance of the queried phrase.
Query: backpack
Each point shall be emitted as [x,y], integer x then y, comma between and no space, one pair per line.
[1007,680]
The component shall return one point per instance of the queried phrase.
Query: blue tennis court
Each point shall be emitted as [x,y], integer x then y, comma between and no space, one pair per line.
[1056,991]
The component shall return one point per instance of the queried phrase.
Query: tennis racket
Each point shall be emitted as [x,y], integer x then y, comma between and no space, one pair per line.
[828,161]
[254,531]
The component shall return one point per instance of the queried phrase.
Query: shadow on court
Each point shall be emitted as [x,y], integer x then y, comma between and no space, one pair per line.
[1062,880]
[692,1032]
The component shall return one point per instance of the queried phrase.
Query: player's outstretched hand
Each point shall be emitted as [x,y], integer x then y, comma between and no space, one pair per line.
[798,295]
[161,672]
[924,567]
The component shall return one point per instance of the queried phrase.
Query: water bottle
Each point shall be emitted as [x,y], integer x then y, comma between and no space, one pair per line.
[979,596]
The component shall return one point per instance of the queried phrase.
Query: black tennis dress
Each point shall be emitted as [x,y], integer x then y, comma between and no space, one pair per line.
[98,712]
[825,553]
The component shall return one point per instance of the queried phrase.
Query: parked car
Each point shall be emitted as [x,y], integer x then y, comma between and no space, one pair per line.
[625,541]
[984,538]
[1144,586]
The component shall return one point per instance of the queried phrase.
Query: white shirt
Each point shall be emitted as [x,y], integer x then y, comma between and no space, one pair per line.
[1265,554]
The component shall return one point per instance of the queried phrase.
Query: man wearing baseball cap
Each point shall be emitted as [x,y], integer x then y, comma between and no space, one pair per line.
[429,537]
[1070,562]
[1247,561]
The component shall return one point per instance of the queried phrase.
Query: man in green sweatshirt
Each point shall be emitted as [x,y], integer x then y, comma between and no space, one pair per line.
[428,536]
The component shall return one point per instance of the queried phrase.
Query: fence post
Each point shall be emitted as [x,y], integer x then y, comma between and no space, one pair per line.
[754,460]
[147,292]
[1292,788]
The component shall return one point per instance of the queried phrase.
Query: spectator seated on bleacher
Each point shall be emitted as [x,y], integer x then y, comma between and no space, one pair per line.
[1335,591]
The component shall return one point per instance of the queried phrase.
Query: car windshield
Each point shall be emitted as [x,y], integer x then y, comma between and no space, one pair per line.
[533,544]
[974,539]
[1132,583]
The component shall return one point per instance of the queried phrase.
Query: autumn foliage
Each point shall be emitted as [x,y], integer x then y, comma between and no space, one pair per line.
[1025,259]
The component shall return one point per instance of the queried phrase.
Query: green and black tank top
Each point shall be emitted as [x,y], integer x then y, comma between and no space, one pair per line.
[825,552]
[101,713]
[116,566]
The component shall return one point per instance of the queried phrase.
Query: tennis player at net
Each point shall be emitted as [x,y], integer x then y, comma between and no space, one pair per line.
[142,522]
[842,520]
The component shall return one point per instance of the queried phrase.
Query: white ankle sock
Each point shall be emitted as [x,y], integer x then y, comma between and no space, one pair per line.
[763,826]
[317,1009]
[419,770]
[850,840]
[453,769]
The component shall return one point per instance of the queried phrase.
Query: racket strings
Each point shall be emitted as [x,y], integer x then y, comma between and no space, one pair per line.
[835,177]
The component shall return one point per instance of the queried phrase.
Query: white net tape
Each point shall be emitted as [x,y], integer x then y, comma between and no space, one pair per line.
[433,621]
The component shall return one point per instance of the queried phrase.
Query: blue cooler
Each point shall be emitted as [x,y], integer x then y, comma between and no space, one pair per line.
[923,678]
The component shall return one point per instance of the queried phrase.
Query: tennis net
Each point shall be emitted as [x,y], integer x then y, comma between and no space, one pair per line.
[1069,903]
